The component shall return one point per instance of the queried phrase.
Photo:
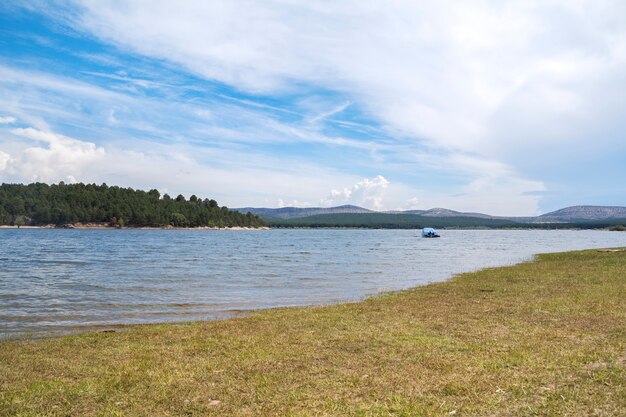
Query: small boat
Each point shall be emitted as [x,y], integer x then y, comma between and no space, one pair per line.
[430,232]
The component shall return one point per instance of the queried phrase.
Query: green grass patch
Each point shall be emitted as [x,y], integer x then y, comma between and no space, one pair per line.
[542,338]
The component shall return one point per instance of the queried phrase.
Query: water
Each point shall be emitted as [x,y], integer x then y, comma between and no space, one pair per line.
[55,281]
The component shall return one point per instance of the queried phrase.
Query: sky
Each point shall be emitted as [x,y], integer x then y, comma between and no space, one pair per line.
[505,108]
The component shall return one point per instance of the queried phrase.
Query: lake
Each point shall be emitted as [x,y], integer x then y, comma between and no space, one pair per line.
[55,281]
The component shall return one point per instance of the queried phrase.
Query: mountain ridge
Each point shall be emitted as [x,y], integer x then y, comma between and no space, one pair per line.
[297,212]
[567,214]
[585,212]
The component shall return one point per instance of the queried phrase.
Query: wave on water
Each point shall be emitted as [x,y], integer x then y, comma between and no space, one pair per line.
[55,280]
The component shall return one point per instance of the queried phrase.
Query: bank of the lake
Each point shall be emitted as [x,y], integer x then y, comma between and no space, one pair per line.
[106,226]
[541,338]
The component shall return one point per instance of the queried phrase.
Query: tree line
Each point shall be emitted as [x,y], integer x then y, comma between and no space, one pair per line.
[42,204]
[414,221]
[389,221]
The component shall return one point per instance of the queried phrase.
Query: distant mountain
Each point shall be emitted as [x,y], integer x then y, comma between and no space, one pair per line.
[297,212]
[583,213]
[443,212]
[568,214]
[377,220]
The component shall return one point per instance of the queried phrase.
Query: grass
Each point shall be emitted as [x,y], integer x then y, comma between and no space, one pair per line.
[544,338]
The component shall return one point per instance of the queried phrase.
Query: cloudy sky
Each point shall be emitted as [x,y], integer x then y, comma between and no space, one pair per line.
[511,108]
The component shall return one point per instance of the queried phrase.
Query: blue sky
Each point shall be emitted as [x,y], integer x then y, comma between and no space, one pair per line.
[504,108]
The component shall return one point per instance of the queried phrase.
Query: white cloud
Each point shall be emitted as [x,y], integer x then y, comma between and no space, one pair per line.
[5,159]
[490,194]
[438,71]
[488,94]
[280,203]
[60,157]
[368,193]
[329,113]
[413,203]
[479,85]
[500,196]
[170,167]
[5,120]
[174,167]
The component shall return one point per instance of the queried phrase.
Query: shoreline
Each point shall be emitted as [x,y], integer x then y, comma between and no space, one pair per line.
[239,228]
[544,336]
[241,313]
[96,226]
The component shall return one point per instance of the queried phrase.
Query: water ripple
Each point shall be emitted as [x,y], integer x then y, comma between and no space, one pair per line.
[55,281]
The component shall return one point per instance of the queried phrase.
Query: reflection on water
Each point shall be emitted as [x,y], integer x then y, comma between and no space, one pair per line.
[58,280]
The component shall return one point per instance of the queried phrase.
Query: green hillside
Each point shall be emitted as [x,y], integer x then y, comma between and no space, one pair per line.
[42,204]
[412,221]
[390,221]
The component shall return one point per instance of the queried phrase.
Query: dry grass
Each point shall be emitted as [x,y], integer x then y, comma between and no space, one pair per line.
[545,338]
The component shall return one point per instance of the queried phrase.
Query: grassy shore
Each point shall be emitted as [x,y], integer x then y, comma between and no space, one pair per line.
[545,338]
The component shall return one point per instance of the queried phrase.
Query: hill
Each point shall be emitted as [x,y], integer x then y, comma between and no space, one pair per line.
[583,213]
[296,212]
[443,212]
[575,216]
[42,204]
[375,220]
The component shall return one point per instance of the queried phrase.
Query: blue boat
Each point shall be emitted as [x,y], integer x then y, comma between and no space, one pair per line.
[430,232]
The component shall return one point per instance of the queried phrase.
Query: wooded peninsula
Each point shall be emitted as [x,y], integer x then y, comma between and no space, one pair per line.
[41,204]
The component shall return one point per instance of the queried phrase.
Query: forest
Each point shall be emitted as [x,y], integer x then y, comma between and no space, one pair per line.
[414,221]
[389,221]
[42,204]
